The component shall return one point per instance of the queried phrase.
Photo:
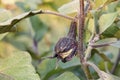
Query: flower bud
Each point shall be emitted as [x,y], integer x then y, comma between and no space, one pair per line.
[66,47]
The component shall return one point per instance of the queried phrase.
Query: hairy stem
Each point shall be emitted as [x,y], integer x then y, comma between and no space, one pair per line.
[80,40]
[81,29]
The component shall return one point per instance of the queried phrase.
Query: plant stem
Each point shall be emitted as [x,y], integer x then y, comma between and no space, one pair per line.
[80,40]
[80,30]
[100,45]
[57,14]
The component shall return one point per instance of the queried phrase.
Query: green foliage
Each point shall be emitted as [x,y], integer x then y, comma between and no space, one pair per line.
[67,75]
[106,20]
[37,36]
[116,44]
[108,76]
[70,7]
[18,67]
[5,77]
[8,25]
[46,67]
[39,28]
[2,35]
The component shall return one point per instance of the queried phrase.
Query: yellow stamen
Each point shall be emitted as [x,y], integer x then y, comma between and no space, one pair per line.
[65,54]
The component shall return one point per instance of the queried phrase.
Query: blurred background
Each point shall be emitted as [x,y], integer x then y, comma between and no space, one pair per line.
[42,30]
[38,35]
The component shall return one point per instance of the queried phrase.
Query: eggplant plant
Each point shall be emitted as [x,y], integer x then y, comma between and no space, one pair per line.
[87,52]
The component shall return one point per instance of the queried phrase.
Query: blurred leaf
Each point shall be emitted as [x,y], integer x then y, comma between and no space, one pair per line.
[117,71]
[20,41]
[67,76]
[39,28]
[28,5]
[109,1]
[100,58]
[9,24]
[112,31]
[116,44]
[103,56]
[107,76]
[91,27]
[107,40]
[18,65]
[87,36]
[103,75]
[21,5]
[98,3]
[25,26]
[5,77]
[3,35]
[5,15]
[5,49]
[74,62]
[70,7]
[46,66]
[112,41]
[112,6]
[117,34]
[106,20]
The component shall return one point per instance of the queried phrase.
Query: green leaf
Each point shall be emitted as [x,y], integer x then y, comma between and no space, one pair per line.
[70,7]
[107,40]
[74,62]
[5,15]
[39,28]
[98,3]
[106,20]
[3,35]
[24,27]
[21,41]
[111,41]
[91,26]
[116,44]
[112,6]
[67,76]
[112,31]
[18,66]
[5,77]
[107,76]
[103,75]
[8,25]
[45,67]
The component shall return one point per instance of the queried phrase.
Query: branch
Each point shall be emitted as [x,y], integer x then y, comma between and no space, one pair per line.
[57,14]
[8,26]
[100,45]
[80,40]
[80,30]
